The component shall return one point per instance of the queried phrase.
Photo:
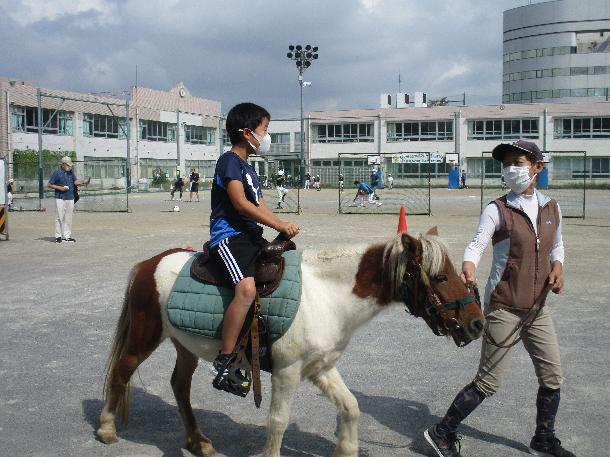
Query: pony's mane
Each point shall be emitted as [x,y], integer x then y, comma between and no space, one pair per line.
[433,259]
[337,264]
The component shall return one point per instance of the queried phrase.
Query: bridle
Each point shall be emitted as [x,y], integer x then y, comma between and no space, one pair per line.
[436,310]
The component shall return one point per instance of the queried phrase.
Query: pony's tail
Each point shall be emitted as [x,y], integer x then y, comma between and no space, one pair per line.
[118,349]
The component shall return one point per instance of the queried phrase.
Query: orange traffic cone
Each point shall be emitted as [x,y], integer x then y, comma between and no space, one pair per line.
[402,221]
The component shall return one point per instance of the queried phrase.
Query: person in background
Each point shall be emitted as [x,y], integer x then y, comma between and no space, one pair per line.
[525,229]
[307,180]
[363,189]
[316,183]
[9,193]
[341,182]
[194,181]
[63,182]
[463,179]
[281,190]
[178,186]
[390,181]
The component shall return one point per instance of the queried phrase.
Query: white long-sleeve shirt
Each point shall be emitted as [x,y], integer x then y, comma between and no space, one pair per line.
[489,223]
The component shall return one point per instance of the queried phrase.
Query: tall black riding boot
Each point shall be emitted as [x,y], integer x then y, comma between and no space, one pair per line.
[547,404]
[465,402]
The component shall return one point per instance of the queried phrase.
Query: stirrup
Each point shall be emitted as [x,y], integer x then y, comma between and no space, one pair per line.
[234,377]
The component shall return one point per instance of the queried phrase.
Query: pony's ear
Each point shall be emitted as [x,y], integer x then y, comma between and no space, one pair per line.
[411,244]
[433,231]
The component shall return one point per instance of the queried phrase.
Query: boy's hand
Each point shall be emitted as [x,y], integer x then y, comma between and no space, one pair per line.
[556,277]
[289,229]
[468,276]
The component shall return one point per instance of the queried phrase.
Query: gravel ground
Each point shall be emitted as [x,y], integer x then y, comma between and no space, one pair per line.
[59,305]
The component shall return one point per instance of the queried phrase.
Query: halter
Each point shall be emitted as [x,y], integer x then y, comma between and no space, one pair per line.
[433,305]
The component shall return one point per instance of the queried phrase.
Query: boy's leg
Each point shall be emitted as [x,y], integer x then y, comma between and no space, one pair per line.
[235,315]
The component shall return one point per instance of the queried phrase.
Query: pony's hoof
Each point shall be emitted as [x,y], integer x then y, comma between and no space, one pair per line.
[107,436]
[201,447]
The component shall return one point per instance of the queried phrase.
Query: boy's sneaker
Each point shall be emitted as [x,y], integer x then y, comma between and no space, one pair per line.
[58,239]
[379,203]
[548,447]
[236,383]
[69,240]
[444,445]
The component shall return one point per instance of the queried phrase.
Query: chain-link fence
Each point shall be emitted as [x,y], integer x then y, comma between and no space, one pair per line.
[564,178]
[280,178]
[402,179]
[107,189]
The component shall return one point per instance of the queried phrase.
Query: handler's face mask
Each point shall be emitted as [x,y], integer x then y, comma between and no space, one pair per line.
[517,178]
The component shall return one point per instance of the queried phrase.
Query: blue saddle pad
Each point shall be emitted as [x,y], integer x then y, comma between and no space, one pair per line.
[199,308]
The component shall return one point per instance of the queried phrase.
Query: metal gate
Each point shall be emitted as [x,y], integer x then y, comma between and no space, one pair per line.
[564,178]
[410,184]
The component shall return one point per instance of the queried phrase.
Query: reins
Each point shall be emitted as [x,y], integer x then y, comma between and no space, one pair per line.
[523,325]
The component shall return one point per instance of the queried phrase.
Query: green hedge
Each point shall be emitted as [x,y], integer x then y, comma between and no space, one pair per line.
[25,162]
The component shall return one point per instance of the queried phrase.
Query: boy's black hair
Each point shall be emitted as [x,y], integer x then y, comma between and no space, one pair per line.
[356,182]
[244,116]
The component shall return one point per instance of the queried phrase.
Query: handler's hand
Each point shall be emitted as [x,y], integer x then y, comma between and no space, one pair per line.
[556,278]
[467,276]
[290,229]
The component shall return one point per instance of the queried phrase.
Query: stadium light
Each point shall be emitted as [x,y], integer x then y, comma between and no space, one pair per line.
[303,59]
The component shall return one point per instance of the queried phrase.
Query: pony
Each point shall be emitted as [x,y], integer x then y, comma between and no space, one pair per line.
[342,289]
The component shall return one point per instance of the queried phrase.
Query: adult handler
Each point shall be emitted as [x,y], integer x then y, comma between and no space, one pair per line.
[525,229]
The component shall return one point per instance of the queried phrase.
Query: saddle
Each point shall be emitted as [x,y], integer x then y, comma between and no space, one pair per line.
[269,267]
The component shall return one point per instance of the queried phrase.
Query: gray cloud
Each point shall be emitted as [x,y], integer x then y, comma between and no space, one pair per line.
[235,50]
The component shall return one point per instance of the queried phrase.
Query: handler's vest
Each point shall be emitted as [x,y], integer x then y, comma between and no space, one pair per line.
[528,262]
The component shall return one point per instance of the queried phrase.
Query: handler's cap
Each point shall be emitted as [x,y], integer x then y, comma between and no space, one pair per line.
[67,160]
[519,146]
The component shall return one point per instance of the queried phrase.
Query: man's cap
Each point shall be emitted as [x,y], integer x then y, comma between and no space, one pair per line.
[519,146]
[67,160]
[11,180]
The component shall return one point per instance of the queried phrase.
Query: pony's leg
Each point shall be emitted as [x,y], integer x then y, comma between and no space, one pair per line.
[331,383]
[186,362]
[284,384]
[117,394]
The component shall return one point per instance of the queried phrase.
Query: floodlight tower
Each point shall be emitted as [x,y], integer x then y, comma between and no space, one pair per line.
[303,56]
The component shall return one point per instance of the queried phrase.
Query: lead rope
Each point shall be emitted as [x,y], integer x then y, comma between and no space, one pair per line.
[523,325]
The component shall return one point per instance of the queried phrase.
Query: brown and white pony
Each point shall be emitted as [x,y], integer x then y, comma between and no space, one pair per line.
[341,290]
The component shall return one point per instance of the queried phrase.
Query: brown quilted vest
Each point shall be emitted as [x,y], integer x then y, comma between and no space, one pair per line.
[528,265]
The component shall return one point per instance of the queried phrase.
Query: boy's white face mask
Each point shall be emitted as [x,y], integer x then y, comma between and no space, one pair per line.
[264,143]
[517,178]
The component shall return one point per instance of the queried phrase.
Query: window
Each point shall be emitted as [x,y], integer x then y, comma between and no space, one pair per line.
[597,127]
[25,119]
[565,71]
[601,127]
[343,133]
[101,126]
[280,138]
[600,167]
[157,131]
[196,134]
[420,131]
[578,71]
[503,129]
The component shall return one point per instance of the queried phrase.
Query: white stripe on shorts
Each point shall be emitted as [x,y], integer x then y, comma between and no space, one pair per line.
[238,272]
[229,261]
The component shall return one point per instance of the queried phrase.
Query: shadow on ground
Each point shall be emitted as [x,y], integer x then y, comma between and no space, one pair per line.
[410,419]
[153,422]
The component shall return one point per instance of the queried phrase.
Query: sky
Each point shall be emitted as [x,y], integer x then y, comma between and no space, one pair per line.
[235,50]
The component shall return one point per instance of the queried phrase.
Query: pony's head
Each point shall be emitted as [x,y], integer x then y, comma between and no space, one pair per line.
[418,272]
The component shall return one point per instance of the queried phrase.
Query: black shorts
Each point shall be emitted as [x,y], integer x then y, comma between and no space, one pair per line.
[238,253]
[195,187]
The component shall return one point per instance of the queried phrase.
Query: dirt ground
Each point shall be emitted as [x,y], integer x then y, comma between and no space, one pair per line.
[59,304]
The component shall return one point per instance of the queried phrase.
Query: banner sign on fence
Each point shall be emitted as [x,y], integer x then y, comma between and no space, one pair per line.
[418,157]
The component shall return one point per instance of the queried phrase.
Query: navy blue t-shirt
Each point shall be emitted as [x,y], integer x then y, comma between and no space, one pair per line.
[225,220]
[63,178]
